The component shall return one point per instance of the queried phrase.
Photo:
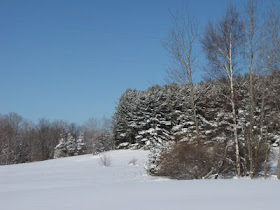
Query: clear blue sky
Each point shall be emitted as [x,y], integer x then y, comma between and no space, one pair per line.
[72,59]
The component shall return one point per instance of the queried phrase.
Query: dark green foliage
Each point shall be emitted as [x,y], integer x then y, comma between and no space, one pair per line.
[147,119]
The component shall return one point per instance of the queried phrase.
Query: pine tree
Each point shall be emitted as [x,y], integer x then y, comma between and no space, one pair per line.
[61,149]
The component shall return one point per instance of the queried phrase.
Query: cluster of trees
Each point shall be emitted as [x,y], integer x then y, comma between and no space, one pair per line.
[69,145]
[23,141]
[160,118]
[98,135]
[234,115]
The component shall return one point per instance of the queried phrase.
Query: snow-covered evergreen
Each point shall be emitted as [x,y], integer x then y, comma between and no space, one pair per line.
[61,150]
[151,119]
[70,146]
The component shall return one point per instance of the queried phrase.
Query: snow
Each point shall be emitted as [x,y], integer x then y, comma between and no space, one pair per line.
[82,183]
[123,134]
[167,123]
[177,127]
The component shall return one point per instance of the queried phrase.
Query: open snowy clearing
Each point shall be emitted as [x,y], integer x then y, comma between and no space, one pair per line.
[82,183]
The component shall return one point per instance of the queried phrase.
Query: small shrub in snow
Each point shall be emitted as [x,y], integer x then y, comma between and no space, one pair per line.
[133,162]
[105,160]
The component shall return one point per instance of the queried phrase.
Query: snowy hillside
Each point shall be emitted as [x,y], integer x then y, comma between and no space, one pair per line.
[82,183]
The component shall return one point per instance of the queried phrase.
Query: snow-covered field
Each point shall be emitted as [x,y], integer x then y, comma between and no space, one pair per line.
[82,183]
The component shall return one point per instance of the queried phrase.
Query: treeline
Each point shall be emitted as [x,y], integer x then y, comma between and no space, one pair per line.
[22,141]
[224,126]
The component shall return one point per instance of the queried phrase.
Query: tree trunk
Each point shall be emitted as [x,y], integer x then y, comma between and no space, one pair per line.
[266,162]
[237,153]
[194,114]
[252,108]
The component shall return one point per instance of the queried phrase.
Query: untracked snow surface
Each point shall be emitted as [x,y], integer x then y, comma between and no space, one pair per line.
[82,183]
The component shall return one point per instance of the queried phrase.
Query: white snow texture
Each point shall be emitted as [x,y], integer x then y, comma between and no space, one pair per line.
[82,183]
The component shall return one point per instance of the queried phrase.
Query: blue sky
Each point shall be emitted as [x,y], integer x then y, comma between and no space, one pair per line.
[71,60]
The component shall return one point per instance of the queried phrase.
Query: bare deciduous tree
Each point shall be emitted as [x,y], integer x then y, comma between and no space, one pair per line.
[182,40]
[253,55]
[251,12]
[98,135]
[222,44]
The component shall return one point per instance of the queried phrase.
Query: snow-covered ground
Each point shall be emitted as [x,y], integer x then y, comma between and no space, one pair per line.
[82,183]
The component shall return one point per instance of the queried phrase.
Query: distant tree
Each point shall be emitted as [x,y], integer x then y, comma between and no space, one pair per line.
[11,138]
[69,145]
[98,135]
[101,142]
[44,139]
[90,128]
[61,149]
[81,146]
